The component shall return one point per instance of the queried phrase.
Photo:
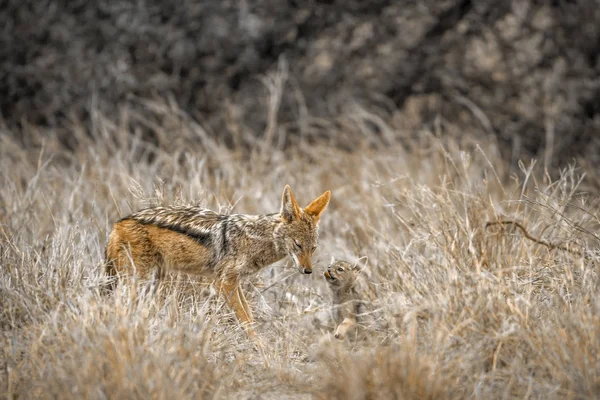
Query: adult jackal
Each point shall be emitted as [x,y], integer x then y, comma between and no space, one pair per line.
[227,248]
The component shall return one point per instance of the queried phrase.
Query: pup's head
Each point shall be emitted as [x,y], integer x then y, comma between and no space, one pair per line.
[299,231]
[341,274]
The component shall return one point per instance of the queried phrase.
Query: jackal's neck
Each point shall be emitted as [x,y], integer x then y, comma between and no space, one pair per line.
[279,251]
[260,232]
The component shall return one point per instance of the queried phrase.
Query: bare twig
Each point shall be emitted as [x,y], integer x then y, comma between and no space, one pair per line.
[527,235]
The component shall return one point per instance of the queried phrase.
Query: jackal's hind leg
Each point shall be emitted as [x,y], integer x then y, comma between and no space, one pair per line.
[156,282]
[110,279]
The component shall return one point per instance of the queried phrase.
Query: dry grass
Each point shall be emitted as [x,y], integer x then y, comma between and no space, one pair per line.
[464,311]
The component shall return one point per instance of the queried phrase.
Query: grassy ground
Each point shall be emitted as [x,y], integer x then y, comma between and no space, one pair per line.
[464,310]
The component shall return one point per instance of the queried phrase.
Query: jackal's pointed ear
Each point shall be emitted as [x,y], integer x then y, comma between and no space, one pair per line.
[318,205]
[289,208]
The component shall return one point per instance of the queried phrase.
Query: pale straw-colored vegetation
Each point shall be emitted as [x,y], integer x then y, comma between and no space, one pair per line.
[465,310]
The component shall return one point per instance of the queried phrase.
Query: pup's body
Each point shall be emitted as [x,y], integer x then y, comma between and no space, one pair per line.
[227,248]
[349,305]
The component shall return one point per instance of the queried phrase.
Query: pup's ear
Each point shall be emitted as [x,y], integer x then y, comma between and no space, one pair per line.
[360,265]
[289,207]
[318,205]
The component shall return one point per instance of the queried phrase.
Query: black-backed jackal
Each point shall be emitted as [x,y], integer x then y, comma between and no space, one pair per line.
[227,248]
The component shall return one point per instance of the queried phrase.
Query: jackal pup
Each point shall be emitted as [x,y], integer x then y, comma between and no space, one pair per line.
[227,248]
[348,301]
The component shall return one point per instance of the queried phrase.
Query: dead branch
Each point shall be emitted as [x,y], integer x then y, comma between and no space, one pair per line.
[527,235]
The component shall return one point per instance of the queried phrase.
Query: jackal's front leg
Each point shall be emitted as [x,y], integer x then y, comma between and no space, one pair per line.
[234,297]
[237,301]
[245,303]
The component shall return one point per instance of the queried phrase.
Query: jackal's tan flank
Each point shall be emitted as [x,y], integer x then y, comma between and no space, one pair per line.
[227,248]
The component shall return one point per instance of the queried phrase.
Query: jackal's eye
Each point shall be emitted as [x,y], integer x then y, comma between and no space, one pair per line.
[341,269]
[314,248]
[298,245]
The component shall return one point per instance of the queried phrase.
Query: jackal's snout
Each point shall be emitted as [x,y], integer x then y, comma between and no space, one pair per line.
[305,263]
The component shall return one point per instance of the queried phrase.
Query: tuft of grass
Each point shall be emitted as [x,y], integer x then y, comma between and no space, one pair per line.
[465,307]
[398,371]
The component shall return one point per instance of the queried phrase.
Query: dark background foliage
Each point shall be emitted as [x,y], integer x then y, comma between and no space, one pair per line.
[525,71]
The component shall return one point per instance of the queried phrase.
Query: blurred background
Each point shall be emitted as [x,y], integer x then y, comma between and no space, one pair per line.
[351,72]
